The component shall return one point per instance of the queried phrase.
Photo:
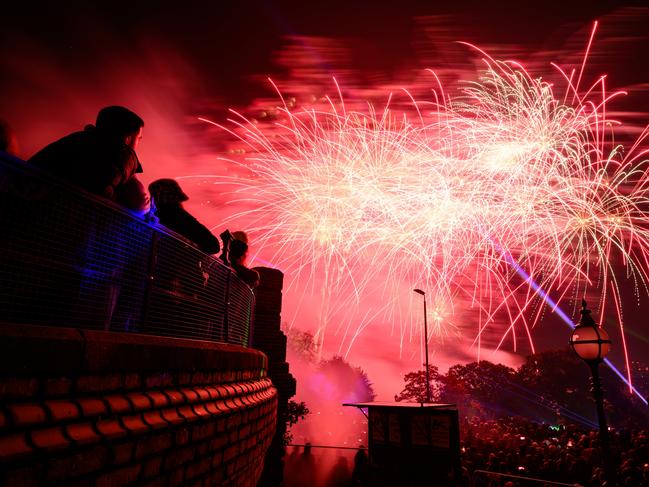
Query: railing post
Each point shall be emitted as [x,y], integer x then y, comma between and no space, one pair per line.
[251,319]
[150,277]
[226,324]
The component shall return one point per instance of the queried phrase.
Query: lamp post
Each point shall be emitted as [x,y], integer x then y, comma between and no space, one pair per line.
[419,291]
[592,344]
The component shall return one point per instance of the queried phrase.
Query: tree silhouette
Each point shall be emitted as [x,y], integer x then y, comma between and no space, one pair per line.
[347,382]
[551,386]
[415,388]
[303,344]
[295,412]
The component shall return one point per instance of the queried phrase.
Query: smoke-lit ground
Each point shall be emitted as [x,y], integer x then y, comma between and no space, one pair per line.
[57,78]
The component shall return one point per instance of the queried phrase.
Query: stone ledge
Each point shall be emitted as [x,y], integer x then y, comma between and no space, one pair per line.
[25,349]
[30,349]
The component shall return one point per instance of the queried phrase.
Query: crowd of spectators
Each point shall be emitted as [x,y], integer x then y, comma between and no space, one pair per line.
[326,467]
[562,453]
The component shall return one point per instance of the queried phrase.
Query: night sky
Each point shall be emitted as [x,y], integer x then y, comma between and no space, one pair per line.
[229,43]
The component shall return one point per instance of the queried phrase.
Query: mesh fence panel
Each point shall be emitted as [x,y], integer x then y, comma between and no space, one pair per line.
[483,478]
[68,258]
[240,311]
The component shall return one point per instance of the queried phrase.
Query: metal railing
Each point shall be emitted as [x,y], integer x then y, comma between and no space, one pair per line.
[486,478]
[69,258]
[325,460]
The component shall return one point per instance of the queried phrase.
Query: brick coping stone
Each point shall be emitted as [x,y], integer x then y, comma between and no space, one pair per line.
[30,349]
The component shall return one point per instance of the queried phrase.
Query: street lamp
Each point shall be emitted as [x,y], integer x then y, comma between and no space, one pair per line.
[419,291]
[592,343]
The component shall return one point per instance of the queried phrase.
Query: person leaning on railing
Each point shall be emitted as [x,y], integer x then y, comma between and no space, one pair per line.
[168,198]
[101,158]
[237,256]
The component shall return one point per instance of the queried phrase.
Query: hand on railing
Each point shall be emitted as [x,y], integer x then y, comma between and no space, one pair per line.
[150,217]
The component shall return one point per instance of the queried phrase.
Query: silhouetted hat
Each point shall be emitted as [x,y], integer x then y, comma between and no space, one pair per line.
[238,248]
[118,121]
[239,235]
[167,191]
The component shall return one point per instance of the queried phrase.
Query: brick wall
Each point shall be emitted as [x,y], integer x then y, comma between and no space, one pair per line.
[268,337]
[93,408]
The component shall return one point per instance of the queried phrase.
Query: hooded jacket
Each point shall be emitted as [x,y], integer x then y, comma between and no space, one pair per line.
[98,164]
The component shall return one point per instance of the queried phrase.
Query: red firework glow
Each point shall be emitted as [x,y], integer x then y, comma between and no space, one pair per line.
[362,196]
[357,202]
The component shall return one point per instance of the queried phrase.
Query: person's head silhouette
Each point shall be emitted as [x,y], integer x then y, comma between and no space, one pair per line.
[167,192]
[120,123]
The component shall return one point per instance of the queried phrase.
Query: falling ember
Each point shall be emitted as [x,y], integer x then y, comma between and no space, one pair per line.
[441,194]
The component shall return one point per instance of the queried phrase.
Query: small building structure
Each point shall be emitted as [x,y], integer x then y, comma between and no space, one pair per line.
[412,444]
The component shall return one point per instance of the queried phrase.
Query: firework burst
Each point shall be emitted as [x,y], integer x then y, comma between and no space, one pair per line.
[442,195]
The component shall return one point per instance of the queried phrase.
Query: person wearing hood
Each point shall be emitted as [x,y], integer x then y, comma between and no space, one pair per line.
[168,198]
[102,158]
[238,255]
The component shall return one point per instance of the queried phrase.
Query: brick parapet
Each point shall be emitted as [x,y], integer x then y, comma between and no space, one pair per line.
[84,422]
[268,337]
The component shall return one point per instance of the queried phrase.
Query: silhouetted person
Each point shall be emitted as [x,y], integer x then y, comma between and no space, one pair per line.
[361,467]
[340,475]
[305,472]
[8,140]
[291,464]
[168,198]
[237,256]
[226,238]
[101,158]
[300,468]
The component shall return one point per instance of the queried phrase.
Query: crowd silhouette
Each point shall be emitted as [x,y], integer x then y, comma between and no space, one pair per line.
[102,159]
[562,453]
[327,468]
[499,453]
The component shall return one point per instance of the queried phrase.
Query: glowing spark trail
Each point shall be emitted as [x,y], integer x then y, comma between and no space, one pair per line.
[456,196]
[564,317]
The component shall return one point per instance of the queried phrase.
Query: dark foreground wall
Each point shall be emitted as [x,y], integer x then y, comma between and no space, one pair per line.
[80,407]
[268,337]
